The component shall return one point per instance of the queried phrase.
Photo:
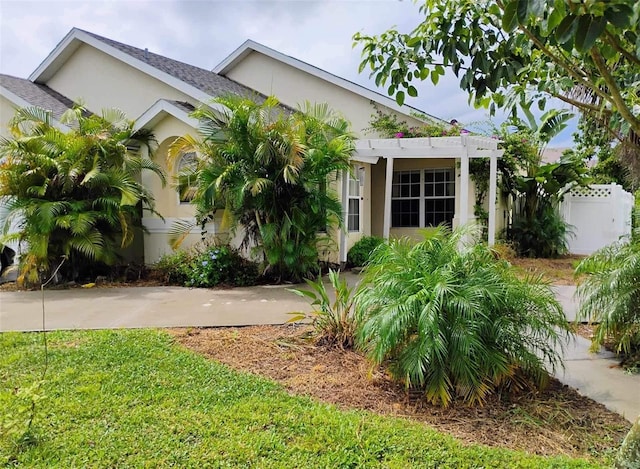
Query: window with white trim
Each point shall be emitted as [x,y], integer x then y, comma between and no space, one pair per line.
[187,176]
[421,198]
[354,201]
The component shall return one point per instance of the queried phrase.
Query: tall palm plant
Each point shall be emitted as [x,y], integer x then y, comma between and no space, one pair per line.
[75,194]
[269,170]
[538,229]
[456,323]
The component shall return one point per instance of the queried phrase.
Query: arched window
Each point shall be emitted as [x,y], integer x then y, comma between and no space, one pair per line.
[187,177]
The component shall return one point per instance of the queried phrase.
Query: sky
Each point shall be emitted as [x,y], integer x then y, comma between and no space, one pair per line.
[203,33]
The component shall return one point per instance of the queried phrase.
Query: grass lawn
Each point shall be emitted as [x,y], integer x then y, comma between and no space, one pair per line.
[135,399]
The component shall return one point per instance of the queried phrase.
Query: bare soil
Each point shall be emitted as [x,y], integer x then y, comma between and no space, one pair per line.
[555,421]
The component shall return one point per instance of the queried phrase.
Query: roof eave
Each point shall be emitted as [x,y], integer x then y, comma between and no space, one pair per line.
[158,111]
[23,103]
[76,37]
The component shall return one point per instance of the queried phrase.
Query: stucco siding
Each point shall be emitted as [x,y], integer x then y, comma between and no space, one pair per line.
[293,86]
[7,111]
[101,81]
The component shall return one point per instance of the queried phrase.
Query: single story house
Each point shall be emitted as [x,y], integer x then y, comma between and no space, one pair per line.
[401,185]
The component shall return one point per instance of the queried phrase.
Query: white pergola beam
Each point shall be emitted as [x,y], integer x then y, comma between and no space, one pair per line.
[463,147]
[425,152]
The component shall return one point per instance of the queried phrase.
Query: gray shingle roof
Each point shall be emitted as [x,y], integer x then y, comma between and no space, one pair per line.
[37,95]
[204,80]
[187,107]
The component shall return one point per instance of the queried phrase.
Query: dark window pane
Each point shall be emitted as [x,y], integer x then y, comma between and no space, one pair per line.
[428,190]
[451,189]
[450,205]
[405,213]
[354,215]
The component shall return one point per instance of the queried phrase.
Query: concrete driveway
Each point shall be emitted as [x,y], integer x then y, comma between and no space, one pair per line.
[137,307]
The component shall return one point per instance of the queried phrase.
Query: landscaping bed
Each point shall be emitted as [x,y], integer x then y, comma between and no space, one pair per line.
[560,271]
[136,398]
[557,421]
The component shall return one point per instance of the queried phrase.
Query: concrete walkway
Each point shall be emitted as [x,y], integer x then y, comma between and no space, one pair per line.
[594,375]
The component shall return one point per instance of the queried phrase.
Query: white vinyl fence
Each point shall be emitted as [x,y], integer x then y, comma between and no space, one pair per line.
[599,215]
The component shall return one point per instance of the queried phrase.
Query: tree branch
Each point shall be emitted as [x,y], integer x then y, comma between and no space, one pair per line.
[611,39]
[615,96]
[580,104]
[567,66]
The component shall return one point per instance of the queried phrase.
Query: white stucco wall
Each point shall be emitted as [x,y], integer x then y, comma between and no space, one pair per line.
[7,111]
[293,86]
[157,240]
[101,81]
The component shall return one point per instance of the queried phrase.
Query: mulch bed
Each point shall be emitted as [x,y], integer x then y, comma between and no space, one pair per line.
[558,271]
[556,421]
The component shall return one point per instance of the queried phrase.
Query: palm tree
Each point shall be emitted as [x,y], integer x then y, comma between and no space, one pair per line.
[454,322]
[75,194]
[538,229]
[269,170]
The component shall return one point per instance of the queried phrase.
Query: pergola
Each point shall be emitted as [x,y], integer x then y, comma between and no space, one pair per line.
[461,148]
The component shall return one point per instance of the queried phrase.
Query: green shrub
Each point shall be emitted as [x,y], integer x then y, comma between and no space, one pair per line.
[543,235]
[360,252]
[220,265]
[173,267]
[207,267]
[335,322]
[610,295]
[453,321]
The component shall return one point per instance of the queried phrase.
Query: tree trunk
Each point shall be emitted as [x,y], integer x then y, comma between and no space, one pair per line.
[629,454]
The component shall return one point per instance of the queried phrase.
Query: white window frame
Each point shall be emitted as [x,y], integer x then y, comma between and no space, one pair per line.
[422,198]
[354,181]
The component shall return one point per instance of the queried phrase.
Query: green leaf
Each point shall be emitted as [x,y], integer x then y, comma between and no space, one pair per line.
[414,41]
[400,98]
[542,102]
[536,7]
[555,18]
[509,19]
[522,10]
[412,91]
[589,29]
[619,15]
[435,78]
[566,29]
